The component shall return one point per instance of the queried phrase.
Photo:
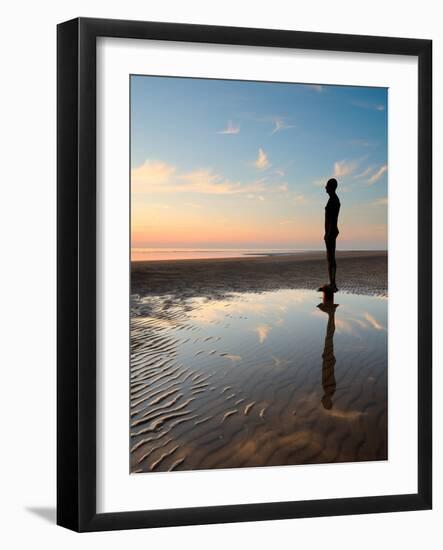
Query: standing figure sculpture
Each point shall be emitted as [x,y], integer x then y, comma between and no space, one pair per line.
[331,232]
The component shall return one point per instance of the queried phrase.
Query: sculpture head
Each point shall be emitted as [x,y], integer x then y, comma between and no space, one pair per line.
[331,186]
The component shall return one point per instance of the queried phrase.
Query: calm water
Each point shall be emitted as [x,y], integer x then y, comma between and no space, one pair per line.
[276,378]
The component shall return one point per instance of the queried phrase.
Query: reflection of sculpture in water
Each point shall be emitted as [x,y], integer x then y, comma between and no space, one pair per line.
[328,367]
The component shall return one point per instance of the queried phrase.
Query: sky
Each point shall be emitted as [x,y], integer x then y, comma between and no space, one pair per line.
[238,164]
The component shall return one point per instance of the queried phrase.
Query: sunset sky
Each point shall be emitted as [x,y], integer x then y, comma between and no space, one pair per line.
[235,164]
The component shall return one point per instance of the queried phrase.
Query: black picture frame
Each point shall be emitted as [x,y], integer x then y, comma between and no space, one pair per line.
[76,280]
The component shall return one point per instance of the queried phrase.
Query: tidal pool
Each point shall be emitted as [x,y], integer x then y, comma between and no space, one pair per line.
[257,379]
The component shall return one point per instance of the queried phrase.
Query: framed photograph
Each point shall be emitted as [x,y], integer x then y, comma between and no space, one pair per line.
[244,274]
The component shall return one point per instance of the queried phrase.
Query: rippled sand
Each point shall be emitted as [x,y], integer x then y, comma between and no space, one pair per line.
[359,272]
[257,379]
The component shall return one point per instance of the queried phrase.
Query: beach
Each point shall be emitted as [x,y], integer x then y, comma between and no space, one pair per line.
[358,272]
[236,362]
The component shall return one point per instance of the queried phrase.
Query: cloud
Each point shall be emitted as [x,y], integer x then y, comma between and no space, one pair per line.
[383,201]
[159,206]
[365,173]
[280,124]
[230,129]
[251,196]
[208,182]
[158,177]
[371,174]
[344,326]
[360,142]
[280,173]
[299,198]
[262,332]
[378,174]
[344,168]
[321,182]
[373,321]
[368,105]
[316,87]
[262,161]
[233,358]
[155,172]
[344,415]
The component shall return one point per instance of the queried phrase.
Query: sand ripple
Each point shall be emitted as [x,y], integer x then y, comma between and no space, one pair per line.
[195,407]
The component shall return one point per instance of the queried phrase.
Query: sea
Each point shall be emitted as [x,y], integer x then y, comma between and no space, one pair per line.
[153,254]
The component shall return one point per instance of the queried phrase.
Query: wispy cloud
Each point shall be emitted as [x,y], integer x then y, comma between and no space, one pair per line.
[360,142]
[207,182]
[372,174]
[316,87]
[343,168]
[373,321]
[231,129]
[262,332]
[280,124]
[320,182]
[262,161]
[365,173]
[344,326]
[378,174]
[383,201]
[159,177]
[280,173]
[368,105]
[254,196]
[344,415]
[299,198]
[159,206]
[152,171]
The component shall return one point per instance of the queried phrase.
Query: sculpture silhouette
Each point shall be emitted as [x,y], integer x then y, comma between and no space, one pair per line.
[332,210]
[328,367]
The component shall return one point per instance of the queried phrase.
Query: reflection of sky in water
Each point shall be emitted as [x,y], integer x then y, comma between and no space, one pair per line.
[289,373]
[283,321]
[279,329]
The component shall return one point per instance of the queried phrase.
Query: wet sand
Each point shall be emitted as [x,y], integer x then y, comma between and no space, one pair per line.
[233,364]
[359,272]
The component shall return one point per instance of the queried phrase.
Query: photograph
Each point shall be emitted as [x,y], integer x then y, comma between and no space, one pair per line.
[231,227]
[259,274]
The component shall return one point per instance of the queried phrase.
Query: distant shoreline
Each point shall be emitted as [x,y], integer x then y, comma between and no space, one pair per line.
[222,254]
[358,272]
